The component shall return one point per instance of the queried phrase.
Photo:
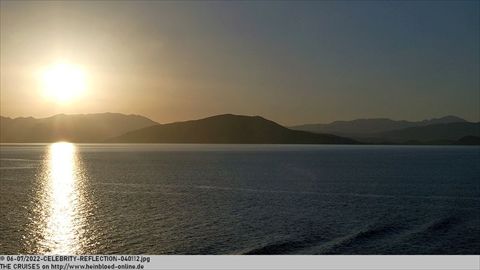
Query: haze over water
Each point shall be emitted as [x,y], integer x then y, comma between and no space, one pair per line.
[64,198]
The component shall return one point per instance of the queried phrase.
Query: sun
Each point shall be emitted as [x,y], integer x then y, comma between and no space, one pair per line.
[63,82]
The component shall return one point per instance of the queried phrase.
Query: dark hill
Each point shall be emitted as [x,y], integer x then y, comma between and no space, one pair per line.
[227,128]
[469,140]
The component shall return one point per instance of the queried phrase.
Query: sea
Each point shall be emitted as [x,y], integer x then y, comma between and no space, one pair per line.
[65,198]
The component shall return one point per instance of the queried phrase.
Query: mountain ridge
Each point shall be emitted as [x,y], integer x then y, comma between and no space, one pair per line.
[228,128]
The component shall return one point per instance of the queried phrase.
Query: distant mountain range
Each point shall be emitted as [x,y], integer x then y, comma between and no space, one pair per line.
[433,134]
[228,128]
[76,128]
[361,127]
[444,130]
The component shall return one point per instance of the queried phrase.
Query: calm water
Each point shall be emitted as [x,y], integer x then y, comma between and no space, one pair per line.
[244,199]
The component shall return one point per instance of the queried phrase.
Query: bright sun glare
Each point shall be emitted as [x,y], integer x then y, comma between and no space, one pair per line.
[63,82]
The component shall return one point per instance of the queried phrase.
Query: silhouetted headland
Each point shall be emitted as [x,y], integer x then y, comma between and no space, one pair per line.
[228,128]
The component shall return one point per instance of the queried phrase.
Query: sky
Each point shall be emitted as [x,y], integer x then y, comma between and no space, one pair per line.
[291,62]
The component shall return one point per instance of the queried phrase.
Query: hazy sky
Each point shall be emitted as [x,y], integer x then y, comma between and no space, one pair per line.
[292,62]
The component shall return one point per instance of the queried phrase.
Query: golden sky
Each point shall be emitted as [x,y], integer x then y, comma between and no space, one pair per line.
[292,63]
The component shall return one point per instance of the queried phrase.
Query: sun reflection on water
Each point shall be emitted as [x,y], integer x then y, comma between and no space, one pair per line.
[62,201]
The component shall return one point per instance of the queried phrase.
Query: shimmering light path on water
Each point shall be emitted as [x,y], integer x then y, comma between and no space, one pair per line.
[59,208]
